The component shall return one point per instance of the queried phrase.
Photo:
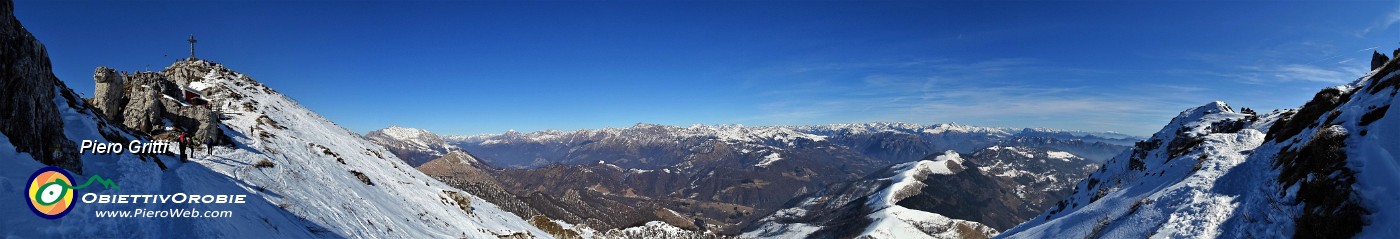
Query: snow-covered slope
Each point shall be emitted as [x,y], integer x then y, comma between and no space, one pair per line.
[303,175]
[258,218]
[1325,170]
[331,176]
[324,181]
[131,174]
[1139,190]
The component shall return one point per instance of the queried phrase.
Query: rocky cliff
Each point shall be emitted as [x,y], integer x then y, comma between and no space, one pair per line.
[27,112]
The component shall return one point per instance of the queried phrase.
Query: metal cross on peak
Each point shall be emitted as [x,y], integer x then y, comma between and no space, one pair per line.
[192,41]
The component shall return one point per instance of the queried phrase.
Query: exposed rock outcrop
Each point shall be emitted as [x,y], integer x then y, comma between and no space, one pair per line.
[107,96]
[28,116]
[151,101]
[1378,60]
[143,111]
[209,131]
[185,72]
[153,80]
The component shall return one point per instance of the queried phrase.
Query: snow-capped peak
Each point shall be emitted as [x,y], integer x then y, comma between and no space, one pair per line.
[415,146]
[908,180]
[403,133]
[1196,113]
[419,137]
[890,220]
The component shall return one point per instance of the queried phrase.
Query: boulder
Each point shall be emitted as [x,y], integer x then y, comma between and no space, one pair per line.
[209,128]
[107,96]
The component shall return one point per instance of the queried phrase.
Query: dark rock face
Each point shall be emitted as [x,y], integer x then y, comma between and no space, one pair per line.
[1378,60]
[28,116]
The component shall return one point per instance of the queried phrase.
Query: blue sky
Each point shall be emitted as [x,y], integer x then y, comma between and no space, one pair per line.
[469,67]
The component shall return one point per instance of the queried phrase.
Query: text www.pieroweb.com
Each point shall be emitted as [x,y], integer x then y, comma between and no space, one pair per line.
[177,198]
[165,213]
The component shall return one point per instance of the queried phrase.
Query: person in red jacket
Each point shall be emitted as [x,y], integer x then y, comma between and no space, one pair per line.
[184,147]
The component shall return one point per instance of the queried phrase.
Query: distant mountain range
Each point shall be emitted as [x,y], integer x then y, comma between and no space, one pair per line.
[1322,170]
[650,146]
[724,178]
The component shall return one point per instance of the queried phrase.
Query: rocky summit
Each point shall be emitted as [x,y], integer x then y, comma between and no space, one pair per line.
[167,102]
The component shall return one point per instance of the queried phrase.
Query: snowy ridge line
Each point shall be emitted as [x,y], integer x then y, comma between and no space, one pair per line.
[1214,172]
[908,180]
[883,218]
